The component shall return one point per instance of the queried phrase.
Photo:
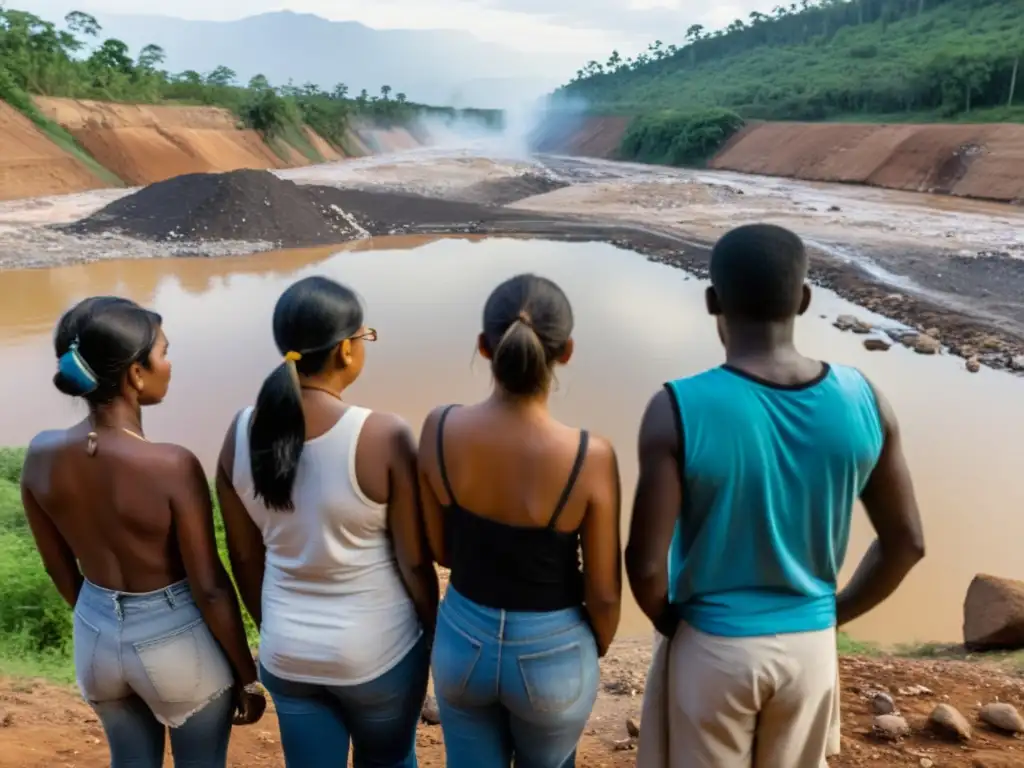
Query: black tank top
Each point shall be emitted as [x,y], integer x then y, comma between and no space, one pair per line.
[512,567]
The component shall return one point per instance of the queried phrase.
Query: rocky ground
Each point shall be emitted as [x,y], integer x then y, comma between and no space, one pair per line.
[39,721]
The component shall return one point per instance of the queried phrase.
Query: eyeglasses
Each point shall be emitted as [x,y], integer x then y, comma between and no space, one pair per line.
[370,334]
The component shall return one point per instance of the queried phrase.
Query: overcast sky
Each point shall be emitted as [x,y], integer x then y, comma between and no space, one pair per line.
[580,29]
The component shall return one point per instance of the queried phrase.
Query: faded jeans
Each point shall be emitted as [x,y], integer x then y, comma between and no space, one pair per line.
[146,662]
[379,717]
[512,685]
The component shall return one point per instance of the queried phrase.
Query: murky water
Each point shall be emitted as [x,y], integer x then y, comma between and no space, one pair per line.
[638,324]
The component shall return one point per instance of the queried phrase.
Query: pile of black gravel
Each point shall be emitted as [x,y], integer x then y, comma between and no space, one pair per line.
[252,206]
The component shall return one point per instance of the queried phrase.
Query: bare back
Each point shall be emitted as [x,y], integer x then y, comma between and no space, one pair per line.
[113,509]
[513,470]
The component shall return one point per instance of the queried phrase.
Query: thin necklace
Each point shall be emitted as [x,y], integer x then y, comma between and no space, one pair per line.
[326,391]
[134,434]
[92,440]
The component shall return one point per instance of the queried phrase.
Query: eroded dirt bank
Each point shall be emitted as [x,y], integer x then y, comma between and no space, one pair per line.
[142,144]
[979,161]
[31,164]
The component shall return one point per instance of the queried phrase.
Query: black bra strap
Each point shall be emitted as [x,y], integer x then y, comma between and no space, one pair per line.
[440,455]
[581,454]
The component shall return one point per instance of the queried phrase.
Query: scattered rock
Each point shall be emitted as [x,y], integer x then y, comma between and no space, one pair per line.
[6,719]
[926,762]
[834,209]
[927,345]
[947,721]
[1017,363]
[430,713]
[890,727]
[973,364]
[915,690]
[994,614]
[846,322]
[883,704]
[624,745]
[633,727]
[1002,716]
[877,344]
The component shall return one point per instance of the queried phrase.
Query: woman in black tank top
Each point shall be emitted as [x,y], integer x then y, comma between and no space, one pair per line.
[512,499]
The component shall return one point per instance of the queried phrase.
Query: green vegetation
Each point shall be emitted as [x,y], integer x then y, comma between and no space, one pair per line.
[678,138]
[38,58]
[933,60]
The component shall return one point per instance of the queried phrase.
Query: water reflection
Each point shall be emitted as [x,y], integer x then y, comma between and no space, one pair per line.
[638,324]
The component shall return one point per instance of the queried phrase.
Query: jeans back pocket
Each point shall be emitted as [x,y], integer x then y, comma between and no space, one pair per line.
[553,678]
[176,662]
[453,660]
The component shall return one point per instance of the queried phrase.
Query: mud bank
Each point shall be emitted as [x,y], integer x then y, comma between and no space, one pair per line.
[979,161]
[985,162]
[31,164]
[142,144]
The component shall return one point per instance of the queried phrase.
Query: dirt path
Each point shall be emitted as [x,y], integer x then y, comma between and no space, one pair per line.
[42,726]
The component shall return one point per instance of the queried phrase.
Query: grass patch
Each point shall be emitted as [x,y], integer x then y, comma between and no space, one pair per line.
[66,141]
[847,646]
[294,135]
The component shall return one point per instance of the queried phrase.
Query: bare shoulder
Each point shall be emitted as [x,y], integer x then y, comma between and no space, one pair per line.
[175,462]
[658,428]
[389,429]
[601,452]
[40,452]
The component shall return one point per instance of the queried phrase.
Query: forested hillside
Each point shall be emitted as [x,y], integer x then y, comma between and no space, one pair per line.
[832,59]
[73,59]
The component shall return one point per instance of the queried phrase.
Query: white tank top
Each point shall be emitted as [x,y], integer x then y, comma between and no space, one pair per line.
[335,610]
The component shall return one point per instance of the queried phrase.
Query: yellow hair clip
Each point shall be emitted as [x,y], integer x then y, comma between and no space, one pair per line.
[292,357]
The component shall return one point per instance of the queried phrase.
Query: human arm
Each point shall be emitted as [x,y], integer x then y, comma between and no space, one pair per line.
[891,505]
[246,551]
[406,525]
[58,559]
[430,505]
[656,508]
[602,549]
[211,586]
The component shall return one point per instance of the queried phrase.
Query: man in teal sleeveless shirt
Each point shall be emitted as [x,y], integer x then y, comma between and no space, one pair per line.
[748,476]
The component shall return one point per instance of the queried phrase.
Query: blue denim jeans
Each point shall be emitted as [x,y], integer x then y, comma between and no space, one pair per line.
[148,661]
[512,684]
[379,717]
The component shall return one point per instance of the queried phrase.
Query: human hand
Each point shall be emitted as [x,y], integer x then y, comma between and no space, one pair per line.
[250,704]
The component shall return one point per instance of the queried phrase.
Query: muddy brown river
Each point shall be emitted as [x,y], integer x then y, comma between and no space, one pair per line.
[638,325]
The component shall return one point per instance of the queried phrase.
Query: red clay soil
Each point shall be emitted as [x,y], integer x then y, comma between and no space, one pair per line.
[42,725]
[595,137]
[143,144]
[31,165]
[980,161]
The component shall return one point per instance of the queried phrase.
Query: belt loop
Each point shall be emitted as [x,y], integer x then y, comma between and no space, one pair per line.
[118,608]
[169,594]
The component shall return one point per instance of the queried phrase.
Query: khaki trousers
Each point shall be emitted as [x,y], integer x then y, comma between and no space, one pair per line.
[741,702]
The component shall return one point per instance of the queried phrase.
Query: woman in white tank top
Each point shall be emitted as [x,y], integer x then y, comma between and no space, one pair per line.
[319,504]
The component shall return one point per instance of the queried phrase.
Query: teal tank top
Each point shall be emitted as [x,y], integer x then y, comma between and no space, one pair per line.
[770,474]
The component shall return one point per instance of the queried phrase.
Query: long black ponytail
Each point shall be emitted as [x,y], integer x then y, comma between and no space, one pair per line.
[311,318]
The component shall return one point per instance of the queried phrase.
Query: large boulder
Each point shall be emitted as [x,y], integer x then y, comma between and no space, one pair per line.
[994,614]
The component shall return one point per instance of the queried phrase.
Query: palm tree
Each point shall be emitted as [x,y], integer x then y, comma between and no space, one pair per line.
[385,91]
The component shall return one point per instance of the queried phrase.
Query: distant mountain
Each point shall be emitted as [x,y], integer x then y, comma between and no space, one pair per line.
[432,66]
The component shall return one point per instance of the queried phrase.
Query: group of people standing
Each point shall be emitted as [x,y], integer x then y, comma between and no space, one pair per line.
[335,520]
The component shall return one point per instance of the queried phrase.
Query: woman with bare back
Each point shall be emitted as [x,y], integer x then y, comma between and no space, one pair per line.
[125,530]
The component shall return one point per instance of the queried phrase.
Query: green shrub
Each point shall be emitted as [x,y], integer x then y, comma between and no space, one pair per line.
[679,138]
